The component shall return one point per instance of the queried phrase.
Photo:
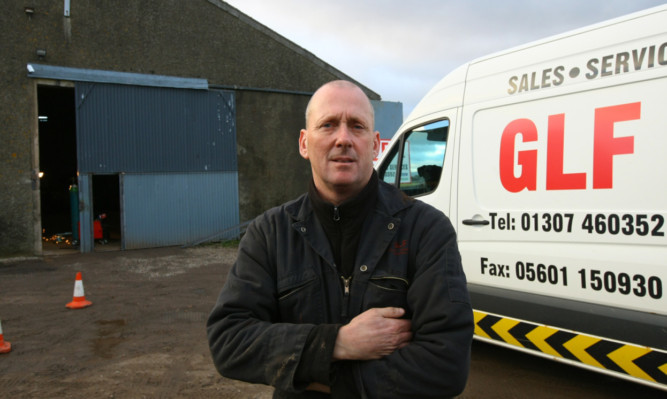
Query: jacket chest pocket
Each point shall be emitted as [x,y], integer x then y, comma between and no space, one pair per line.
[300,299]
[385,291]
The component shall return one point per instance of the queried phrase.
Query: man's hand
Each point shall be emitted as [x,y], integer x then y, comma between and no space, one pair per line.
[316,386]
[373,334]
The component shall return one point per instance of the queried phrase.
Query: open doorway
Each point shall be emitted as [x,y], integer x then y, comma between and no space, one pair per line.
[57,164]
[106,211]
[59,195]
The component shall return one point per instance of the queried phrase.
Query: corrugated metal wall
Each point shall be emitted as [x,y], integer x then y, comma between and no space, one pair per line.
[175,152]
[388,117]
[177,208]
[123,128]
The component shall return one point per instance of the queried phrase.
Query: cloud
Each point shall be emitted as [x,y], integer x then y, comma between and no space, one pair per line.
[400,49]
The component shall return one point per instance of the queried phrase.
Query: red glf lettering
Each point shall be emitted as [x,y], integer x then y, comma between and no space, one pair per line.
[527,159]
[556,179]
[605,147]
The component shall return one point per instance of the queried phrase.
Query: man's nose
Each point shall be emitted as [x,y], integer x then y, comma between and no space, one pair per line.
[343,136]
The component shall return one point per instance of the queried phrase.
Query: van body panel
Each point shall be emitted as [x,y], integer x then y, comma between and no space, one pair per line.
[555,178]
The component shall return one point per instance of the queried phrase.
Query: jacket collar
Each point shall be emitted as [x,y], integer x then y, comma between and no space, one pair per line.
[390,201]
[348,213]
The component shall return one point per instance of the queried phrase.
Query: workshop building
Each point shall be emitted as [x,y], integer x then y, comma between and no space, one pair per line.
[149,122]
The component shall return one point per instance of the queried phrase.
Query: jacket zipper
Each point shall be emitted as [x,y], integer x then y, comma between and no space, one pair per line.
[346,281]
[346,295]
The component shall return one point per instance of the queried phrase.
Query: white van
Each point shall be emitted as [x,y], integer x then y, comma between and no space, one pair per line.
[551,161]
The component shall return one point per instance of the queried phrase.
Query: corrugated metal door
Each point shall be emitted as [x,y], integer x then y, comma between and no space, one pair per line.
[175,150]
[177,208]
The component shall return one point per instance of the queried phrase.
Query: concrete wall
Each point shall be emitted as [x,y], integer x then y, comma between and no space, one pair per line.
[196,38]
[273,170]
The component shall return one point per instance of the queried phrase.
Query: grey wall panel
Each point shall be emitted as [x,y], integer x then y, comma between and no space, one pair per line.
[86,243]
[388,117]
[138,129]
[177,208]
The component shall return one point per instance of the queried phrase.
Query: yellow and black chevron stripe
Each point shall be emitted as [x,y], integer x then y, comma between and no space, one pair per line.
[646,364]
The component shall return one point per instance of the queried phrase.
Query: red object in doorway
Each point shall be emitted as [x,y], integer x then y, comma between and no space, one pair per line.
[97,230]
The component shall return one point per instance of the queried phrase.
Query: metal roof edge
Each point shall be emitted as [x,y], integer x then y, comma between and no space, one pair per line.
[101,76]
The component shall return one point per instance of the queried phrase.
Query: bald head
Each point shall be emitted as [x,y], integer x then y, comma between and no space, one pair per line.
[343,85]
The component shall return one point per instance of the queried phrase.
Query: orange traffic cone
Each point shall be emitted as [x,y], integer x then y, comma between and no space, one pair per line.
[5,347]
[79,301]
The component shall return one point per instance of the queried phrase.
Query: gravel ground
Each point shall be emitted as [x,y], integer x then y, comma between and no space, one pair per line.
[144,335]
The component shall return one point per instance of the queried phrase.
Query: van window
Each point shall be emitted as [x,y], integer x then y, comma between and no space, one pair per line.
[415,165]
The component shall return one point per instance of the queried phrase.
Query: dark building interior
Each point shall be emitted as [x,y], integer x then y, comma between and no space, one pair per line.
[57,157]
[58,163]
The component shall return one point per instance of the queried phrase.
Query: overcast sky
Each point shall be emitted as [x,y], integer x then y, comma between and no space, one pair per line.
[401,48]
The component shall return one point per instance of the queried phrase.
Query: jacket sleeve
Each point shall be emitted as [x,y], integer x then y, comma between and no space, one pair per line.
[437,361]
[246,340]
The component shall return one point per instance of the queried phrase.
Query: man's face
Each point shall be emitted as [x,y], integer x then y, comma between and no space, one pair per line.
[339,141]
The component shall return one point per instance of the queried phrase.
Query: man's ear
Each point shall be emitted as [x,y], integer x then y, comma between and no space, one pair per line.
[376,143]
[303,143]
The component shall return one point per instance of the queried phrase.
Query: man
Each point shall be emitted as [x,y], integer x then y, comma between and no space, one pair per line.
[351,290]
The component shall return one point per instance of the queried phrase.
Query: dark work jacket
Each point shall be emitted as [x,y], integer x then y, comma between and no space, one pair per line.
[285,282]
